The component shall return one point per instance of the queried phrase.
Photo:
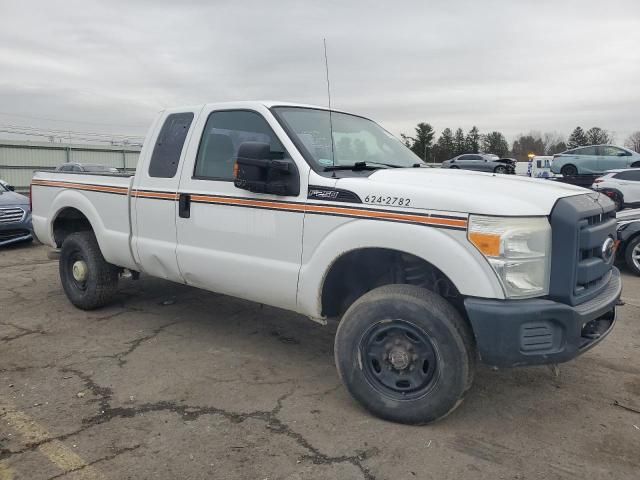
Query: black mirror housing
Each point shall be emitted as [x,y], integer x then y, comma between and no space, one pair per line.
[11,188]
[259,170]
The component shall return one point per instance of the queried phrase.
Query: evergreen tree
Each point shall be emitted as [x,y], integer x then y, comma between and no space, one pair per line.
[421,143]
[473,140]
[526,144]
[597,136]
[577,138]
[445,145]
[459,143]
[556,148]
[495,143]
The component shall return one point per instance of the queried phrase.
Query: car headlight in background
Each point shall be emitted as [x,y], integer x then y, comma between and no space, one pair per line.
[518,249]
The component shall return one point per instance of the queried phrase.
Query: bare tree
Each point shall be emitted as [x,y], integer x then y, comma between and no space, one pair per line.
[633,141]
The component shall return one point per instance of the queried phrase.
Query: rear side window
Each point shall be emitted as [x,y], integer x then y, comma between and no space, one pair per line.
[166,153]
[632,175]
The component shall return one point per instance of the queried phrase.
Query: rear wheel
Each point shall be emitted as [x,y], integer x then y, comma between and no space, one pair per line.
[569,170]
[635,165]
[88,280]
[405,354]
[454,166]
[632,255]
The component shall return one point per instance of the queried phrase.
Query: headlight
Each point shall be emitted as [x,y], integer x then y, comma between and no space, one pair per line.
[518,249]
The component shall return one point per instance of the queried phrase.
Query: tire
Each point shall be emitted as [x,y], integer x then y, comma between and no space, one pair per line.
[500,169]
[632,255]
[455,167]
[635,165]
[568,170]
[98,285]
[377,343]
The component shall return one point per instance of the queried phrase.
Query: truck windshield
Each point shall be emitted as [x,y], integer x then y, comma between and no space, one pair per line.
[355,139]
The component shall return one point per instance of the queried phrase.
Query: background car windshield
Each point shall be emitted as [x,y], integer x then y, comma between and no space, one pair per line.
[355,139]
[3,188]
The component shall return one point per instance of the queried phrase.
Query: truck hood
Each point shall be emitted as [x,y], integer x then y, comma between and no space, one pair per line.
[8,199]
[462,191]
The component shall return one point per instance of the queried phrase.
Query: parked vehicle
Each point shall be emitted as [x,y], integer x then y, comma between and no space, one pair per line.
[85,168]
[629,242]
[594,159]
[621,185]
[15,216]
[481,162]
[428,270]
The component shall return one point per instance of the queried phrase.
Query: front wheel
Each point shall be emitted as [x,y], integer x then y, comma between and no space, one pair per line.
[569,171]
[405,354]
[88,280]
[635,165]
[632,255]
[500,169]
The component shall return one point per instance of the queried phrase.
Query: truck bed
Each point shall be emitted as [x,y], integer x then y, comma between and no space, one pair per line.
[103,197]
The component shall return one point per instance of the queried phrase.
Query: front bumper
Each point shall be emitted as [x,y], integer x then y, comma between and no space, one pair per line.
[512,333]
[16,231]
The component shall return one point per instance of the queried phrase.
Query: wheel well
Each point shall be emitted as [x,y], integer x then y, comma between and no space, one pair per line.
[635,164]
[68,221]
[359,271]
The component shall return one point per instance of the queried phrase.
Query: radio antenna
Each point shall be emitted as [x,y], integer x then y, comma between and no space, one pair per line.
[326,67]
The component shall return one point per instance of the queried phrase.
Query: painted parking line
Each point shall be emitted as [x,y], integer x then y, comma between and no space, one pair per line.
[56,451]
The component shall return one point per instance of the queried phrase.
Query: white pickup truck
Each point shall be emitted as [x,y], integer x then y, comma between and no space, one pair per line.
[327,214]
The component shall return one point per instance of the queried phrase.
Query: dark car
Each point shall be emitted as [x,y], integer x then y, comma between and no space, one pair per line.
[85,168]
[629,241]
[481,162]
[15,216]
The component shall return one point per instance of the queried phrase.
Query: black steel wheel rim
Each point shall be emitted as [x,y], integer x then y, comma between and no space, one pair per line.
[398,359]
[74,257]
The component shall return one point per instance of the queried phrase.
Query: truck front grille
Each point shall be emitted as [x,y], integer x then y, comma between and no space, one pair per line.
[11,215]
[580,226]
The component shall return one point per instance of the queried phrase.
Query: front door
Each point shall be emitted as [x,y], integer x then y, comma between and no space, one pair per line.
[232,241]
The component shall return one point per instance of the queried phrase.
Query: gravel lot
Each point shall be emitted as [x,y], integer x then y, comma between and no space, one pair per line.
[172,382]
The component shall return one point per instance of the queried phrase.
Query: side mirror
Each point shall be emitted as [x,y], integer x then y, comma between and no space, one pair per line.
[11,188]
[622,154]
[259,170]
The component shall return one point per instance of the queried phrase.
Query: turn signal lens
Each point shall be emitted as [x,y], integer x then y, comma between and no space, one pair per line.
[487,243]
[235,170]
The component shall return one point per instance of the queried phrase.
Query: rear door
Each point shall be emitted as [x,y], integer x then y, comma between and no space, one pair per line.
[233,241]
[154,204]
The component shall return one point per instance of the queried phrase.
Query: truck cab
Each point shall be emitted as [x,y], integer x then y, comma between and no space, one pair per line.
[327,214]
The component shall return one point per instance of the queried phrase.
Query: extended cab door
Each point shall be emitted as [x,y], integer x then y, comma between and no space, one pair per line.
[232,241]
[153,197]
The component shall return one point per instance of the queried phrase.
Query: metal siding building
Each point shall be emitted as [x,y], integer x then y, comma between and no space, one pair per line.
[19,159]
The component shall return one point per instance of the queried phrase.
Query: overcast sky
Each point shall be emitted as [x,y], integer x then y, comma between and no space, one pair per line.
[513,66]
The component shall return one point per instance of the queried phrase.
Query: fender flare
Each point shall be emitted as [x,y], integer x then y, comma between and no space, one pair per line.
[73,199]
[469,271]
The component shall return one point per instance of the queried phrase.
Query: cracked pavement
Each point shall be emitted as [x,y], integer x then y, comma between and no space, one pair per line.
[174,382]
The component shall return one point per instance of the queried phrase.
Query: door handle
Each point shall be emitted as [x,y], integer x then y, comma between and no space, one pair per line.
[184,205]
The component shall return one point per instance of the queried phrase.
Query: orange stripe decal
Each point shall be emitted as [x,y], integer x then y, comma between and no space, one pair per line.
[348,211]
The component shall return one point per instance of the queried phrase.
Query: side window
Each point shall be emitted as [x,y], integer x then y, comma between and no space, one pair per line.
[585,151]
[610,151]
[464,157]
[475,157]
[631,175]
[221,139]
[76,168]
[166,153]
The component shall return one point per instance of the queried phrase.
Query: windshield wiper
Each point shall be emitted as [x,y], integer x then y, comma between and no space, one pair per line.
[360,166]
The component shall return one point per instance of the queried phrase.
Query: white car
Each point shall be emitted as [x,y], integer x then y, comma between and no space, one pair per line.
[327,214]
[621,185]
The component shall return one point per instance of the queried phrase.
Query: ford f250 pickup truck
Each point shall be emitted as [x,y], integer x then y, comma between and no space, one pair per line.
[327,214]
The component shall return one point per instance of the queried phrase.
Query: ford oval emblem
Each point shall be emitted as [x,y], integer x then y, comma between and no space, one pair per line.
[608,250]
